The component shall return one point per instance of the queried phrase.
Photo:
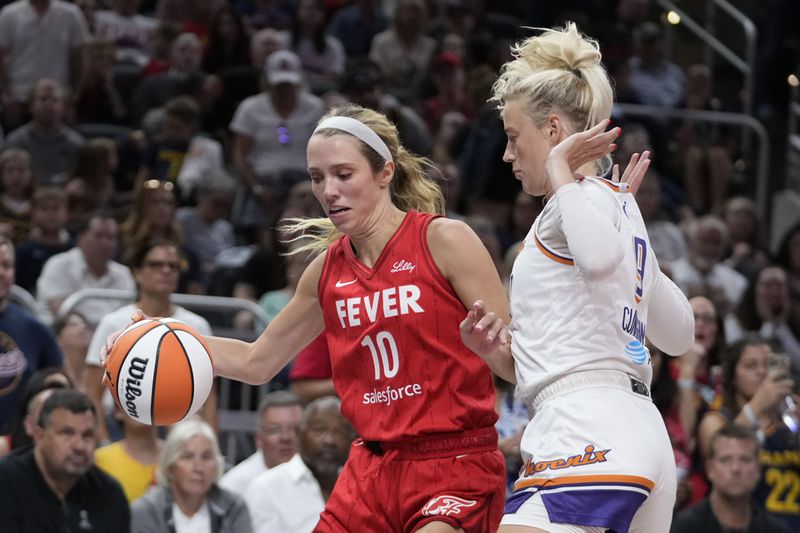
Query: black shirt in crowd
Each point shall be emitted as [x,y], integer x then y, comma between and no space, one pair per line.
[96,504]
[700,518]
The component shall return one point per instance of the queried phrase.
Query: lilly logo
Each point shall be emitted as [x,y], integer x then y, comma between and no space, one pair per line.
[637,352]
[446,505]
[402,266]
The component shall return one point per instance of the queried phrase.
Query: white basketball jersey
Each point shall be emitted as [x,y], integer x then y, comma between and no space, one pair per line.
[563,323]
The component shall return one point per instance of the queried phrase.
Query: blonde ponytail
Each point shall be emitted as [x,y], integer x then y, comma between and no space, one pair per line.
[558,71]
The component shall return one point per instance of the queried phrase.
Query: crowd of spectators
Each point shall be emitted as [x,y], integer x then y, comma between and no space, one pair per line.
[153,146]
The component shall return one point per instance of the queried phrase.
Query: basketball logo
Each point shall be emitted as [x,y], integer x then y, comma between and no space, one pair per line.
[159,371]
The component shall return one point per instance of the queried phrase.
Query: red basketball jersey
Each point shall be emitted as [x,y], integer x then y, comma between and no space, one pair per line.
[399,365]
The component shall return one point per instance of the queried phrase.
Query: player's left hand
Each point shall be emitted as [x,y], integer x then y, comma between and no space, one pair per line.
[634,172]
[482,331]
[577,150]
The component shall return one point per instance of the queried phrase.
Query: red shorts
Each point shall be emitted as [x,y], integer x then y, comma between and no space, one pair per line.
[457,478]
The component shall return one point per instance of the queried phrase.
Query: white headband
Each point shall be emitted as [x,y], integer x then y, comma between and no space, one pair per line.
[360,131]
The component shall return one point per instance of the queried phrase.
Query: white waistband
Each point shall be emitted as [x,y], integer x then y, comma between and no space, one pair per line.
[588,379]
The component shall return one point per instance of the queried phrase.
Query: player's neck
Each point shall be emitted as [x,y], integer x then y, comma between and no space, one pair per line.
[368,245]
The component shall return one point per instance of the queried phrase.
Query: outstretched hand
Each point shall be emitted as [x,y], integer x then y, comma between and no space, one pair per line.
[106,349]
[634,172]
[482,331]
[577,150]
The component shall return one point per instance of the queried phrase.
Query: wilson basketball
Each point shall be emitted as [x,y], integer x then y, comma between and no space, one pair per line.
[159,371]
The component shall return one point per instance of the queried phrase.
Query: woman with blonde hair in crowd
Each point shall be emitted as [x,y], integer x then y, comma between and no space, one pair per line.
[187,498]
[585,288]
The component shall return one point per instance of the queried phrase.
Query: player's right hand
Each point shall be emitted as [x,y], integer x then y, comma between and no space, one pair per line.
[106,349]
[482,331]
[634,172]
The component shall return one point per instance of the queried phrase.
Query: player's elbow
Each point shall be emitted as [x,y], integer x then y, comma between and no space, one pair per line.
[677,348]
[679,339]
[257,371]
[601,267]
[258,375]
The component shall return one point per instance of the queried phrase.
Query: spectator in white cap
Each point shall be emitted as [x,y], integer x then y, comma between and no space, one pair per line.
[283,67]
[271,131]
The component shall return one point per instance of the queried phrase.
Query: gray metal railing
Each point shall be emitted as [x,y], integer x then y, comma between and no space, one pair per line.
[746,64]
[793,142]
[190,301]
[735,119]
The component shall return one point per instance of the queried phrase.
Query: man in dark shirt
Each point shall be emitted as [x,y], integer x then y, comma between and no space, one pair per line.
[54,486]
[733,469]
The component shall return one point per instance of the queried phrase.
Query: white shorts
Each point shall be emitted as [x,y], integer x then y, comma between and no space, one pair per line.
[596,455]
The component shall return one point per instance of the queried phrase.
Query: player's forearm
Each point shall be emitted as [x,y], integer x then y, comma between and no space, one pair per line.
[237,360]
[670,321]
[501,362]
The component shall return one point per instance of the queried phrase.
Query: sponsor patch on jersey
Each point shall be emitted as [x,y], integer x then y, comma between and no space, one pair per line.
[446,505]
[403,266]
[392,394]
[637,353]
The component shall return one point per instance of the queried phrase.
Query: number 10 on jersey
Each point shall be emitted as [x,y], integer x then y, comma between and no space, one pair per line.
[385,356]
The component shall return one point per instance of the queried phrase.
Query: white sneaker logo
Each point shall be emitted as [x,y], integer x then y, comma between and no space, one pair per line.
[402,265]
[446,505]
[344,283]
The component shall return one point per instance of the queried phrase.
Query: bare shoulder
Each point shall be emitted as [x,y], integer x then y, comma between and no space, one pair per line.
[452,244]
[448,233]
[318,261]
[311,275]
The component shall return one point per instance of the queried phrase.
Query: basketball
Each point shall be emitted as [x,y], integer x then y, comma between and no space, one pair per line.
[159,371]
